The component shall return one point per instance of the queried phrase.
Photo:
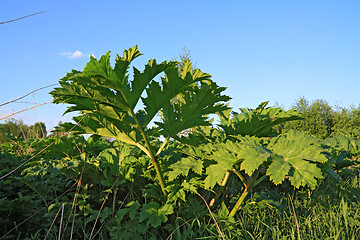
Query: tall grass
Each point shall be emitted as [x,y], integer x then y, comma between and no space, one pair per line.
[330,212]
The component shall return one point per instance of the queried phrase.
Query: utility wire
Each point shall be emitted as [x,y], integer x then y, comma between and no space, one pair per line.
[13,20]
[27,109]
[3,104]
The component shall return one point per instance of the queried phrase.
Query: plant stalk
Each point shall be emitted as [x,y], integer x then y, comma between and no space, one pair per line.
[222,185]
[156,165]
[242,179]
[151,153]
[162,147]
[239,201]
[248,188]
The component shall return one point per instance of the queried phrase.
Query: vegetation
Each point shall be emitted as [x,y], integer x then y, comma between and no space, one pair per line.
[17,129]
[323,120]
[169,172]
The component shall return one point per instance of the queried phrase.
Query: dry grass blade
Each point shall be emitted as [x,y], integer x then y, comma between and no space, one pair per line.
[297,223]
[106,220]
[52,224]
[217,225]
[73,208]
[178,228]
[103,204]
[61,219]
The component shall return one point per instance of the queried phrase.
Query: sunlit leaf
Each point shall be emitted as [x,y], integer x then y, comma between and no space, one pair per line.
[296,155]
[183,166]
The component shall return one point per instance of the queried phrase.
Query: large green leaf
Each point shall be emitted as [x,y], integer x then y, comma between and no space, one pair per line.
[259,122]
[253,153]
[177,86]
[183,166]
[142,79]
[192,108]
[248,152]
[117,163]
[103,74]
[225,161]
[298,156]
[108,98]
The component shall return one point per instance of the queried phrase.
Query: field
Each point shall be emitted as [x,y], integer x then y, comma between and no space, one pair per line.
[163,169]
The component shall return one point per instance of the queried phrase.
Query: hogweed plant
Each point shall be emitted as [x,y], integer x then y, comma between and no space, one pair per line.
[173,98]
[246,146]
[109,99]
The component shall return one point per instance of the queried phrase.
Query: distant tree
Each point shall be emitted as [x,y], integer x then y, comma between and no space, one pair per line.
[347,122]
[318,117]
[323,120]
[17,128]
[10,127]
[38,130]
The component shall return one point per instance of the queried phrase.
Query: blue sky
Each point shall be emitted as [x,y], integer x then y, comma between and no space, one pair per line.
[267,50]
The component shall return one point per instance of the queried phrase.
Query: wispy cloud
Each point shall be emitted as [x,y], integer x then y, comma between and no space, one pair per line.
[72,55]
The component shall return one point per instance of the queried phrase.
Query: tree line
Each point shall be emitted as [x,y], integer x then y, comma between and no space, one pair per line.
[13,128]
[323,120]
[319,118]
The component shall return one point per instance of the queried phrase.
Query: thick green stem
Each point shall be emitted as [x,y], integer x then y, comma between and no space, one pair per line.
[162,147]
[248,188]
[114,200]
[259,181]
[239,202]
[151,154]
[156,164]
[225,179]
[222,185]
[242,179]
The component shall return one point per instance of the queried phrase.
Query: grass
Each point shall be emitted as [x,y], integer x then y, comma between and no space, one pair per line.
[330,212]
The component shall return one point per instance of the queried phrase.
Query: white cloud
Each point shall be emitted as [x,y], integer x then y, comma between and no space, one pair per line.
[74,55]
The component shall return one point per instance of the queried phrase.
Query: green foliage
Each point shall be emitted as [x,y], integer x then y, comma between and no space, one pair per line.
[295,157]
[154,214]
[135,208]
[318,117]
[16,129]
[224,162]
[258,122]
[183,166]
[298,156]
[107,100]
[242,168]
[345,151]
[26,193]
[254,155]
[347,122]
[322,120]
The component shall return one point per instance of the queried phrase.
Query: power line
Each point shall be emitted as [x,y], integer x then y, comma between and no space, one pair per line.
[13,20]
[3,104]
